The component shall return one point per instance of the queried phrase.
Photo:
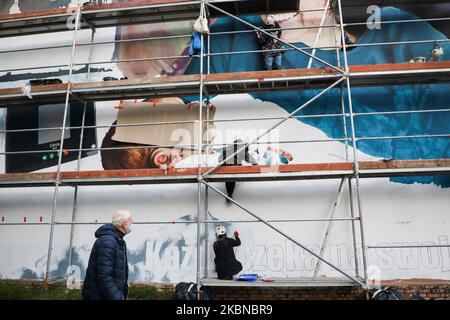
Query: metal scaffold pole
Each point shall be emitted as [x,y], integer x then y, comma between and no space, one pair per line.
[350,186]
[61,147]
[339,44]
[206,226]
[316,41]
[200,159]
[354,144]
[343,180]
[76,188]
[206,199]
[330,223]
[270,225]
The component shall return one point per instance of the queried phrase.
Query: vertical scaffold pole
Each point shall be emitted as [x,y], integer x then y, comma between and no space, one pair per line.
[353,134]
[350,186]
[200,165]
[83,122]
[206,207]
[61,147]
[336,32]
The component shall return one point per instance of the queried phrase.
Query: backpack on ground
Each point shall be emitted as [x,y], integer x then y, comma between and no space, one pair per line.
[387,294]
[188,291]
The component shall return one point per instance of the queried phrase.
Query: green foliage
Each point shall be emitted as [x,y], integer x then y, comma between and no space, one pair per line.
[24,290]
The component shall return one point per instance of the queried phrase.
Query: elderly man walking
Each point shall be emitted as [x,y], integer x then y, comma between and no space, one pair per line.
[107,272]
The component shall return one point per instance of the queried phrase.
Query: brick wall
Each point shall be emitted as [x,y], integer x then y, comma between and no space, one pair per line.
[255,293]
[428,291]
[426,288]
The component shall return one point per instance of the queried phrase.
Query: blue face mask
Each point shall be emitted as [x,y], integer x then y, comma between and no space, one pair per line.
[129,229]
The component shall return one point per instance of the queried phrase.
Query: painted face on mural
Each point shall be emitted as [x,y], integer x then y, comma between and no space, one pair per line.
[172,47]
[142,158]
[165,158]
[176,47]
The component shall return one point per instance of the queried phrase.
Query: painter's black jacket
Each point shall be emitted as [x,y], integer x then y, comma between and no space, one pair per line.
[226,263]
[107,272]
[268,43]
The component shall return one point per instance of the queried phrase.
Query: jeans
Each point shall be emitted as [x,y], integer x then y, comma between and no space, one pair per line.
[272,61]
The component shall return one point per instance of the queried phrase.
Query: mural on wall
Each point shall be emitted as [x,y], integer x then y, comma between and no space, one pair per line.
[13,6]
[168,254]
[375,99]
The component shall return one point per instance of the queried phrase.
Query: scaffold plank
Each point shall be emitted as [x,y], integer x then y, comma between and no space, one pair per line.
[367,3]
[243,82]
[11,180]
[132,12]
[368,169]
[281,282]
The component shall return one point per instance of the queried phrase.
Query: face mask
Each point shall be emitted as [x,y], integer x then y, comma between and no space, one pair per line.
[129,229]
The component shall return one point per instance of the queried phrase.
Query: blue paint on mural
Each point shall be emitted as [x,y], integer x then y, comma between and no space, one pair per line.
[374,99]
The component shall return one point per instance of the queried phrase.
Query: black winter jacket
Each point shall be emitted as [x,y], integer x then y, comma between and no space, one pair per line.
[107,272]
[269,43]
[225,260]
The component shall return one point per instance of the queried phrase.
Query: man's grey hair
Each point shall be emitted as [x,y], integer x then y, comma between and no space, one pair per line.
[120,216]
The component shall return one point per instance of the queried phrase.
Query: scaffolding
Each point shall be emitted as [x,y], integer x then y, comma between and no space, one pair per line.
[342,76]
